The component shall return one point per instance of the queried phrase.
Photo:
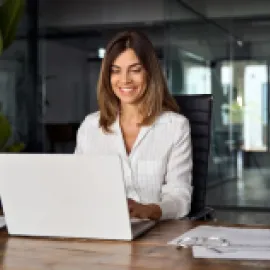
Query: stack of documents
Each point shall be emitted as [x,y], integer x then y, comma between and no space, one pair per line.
[244,244]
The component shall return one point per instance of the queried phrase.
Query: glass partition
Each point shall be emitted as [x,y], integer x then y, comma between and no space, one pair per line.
[229,58]
[203,48]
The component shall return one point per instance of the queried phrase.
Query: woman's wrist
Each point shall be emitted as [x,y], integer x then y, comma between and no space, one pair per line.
[156,211]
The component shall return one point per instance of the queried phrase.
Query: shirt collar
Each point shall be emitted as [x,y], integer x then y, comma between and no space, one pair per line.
[164,118]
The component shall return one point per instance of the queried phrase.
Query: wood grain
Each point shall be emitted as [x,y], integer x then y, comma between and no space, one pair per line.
[147,252]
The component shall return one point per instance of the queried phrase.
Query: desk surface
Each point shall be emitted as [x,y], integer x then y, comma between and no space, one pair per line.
[148,252]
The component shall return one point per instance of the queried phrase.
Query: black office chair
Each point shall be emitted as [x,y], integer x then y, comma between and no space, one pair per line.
[198,110]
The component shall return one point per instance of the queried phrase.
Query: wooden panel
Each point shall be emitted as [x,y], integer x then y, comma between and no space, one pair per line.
[147,252]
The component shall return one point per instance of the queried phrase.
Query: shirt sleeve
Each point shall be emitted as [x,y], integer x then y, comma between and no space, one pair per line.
[177,190]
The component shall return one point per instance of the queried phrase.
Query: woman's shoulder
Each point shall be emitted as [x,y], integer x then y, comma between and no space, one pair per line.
[91,120]
[177,125]
[173,118]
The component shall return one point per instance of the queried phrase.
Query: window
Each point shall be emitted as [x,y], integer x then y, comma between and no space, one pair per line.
[197,79]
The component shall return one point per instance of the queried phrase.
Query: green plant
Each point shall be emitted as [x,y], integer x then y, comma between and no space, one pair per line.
[5,133]
[10,14]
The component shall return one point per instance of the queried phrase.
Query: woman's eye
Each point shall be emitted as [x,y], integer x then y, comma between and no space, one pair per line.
[136,70]
[114,71]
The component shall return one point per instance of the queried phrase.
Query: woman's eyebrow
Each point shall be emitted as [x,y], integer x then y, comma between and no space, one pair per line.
[135,64]
[115,66]
[131,66]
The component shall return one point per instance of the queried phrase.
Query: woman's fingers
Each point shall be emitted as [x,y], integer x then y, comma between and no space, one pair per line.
[138,210]
[143,211]
[131,204]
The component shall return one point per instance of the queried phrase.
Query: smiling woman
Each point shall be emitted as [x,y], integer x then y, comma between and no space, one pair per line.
[128,78]
[139,121]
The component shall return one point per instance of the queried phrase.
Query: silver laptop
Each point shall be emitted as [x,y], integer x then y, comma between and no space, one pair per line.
[66,195]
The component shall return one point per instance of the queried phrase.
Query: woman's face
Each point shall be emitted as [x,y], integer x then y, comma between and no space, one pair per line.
[128,78]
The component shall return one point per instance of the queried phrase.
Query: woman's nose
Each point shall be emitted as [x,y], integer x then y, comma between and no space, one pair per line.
[125,77]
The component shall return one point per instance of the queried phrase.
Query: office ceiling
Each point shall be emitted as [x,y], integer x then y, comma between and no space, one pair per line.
[89,24]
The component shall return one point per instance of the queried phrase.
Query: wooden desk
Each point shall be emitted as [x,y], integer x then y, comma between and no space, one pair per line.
[147,252]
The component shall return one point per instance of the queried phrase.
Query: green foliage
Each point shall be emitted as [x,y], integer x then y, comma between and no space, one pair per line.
[5,133]
[15,148]
[10,14]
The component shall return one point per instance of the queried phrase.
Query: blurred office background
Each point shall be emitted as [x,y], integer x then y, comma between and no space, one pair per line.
[48,80]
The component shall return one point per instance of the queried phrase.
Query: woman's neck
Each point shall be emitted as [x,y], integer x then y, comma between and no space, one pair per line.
[130,114]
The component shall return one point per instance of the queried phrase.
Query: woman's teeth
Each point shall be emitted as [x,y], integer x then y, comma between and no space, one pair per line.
[126,90]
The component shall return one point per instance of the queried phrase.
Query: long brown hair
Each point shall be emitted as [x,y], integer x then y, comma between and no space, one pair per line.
[156,98]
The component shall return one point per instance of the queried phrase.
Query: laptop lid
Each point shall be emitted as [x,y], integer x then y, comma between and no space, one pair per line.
[64,196]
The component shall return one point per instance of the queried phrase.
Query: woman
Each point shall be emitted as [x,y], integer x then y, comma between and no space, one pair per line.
[138,120]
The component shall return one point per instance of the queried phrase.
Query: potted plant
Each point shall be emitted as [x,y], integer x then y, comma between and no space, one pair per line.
[10,14]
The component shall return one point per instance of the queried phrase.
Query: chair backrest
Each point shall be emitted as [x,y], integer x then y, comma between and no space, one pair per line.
[61,133]
[198,110]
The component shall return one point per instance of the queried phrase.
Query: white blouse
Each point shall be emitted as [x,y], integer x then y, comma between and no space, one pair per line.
[158,168]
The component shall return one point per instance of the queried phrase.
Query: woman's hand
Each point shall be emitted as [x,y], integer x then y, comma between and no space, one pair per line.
[138,210]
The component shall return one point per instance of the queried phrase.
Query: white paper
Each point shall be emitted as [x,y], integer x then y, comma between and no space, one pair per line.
[235,236]
[2,222]
[202,252]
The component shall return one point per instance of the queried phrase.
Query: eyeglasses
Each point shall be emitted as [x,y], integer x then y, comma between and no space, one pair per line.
[209,242]
[217,244]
